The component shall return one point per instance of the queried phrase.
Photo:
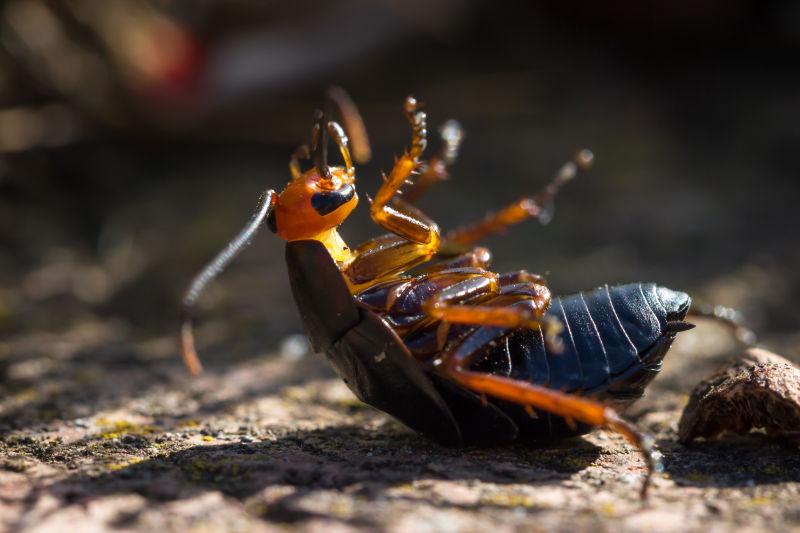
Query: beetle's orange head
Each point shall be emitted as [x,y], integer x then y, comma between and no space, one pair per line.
[321,198]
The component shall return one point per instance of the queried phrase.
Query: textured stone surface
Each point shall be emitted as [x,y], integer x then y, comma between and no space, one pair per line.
[102,438]
[758,390]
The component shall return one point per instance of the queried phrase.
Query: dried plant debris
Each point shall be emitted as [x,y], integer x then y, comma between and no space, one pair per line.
[758,390]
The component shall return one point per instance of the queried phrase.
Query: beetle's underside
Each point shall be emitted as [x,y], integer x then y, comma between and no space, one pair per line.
[419,327]
[614,341]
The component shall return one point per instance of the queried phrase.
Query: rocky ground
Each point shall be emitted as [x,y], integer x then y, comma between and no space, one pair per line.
[106,432]
[101,428]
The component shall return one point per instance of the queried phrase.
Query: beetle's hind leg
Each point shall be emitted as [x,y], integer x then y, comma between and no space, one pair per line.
[456,365]
[539,206]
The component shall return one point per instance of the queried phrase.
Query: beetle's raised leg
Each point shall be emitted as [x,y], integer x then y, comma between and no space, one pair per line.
[416,237]
[571,407]
[302,152]
[390,212]
[436,168]
[211,271]
[539,206]
[352,122]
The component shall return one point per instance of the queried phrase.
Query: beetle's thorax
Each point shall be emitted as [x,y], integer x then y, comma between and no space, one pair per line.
[336,246]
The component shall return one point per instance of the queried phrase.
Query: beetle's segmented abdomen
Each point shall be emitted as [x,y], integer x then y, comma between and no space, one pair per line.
[608,336]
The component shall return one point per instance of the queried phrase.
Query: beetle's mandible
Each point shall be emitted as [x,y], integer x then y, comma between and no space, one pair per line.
[419,327]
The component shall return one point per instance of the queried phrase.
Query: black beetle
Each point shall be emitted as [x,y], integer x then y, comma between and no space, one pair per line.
[418,327]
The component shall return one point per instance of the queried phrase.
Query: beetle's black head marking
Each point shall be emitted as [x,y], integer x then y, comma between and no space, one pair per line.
[329,201]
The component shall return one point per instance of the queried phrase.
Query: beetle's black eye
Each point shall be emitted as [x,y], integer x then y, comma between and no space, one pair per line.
[273,227]
[329,201]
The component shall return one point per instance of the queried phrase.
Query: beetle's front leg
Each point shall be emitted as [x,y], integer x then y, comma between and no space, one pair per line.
[391,213]
[456,366]
[416,237]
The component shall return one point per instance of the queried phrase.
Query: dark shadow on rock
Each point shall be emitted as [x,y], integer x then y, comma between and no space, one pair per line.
[341,458]
[736,461]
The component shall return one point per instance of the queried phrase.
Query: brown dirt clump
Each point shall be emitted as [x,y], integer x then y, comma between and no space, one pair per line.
[758,390]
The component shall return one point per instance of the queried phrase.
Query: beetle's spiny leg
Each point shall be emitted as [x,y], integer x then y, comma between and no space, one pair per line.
[301,152]
[539,206]
[419,132]
[436,169]
[211,271]
[418,236]
[582,161]
[388,210]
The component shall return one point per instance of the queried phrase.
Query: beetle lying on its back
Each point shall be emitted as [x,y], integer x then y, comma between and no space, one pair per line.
[419,327]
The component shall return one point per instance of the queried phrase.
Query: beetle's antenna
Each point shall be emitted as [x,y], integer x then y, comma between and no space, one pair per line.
[728,317]
[341,140]
[352,122]
[211,271]
[319,145]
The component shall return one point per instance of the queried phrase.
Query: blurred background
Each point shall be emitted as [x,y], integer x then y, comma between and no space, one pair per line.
[136,136]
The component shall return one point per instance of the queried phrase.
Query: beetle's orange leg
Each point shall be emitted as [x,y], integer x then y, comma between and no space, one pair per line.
[416,237]
[382,258]
[436,168]
[441,306]
[521,276]
[478,257]
[568,406]
[391,213]
[539,206]
[301,152]
[352,122]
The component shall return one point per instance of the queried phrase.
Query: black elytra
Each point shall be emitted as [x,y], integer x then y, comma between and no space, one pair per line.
[614,341]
